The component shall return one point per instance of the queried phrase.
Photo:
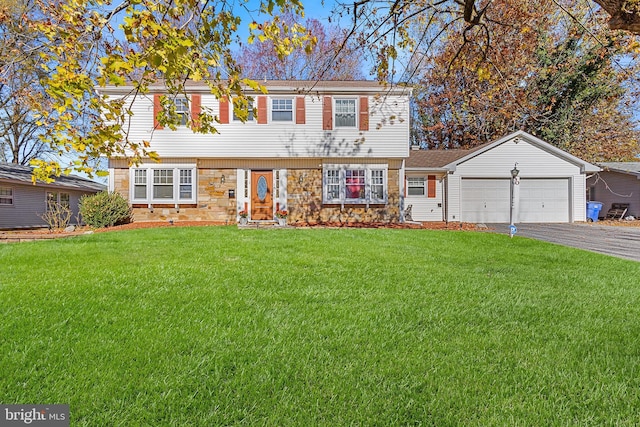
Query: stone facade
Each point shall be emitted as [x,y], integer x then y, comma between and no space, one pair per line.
[214,201]
[305,201]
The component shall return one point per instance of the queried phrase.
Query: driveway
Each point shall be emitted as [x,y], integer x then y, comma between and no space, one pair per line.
[622,242]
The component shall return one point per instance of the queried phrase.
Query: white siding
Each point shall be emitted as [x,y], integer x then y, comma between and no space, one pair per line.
[425,208]
[532,162]
[387,136]
[453,198]
[578,198]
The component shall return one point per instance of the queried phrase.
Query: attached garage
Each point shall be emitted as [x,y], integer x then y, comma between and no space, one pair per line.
[484,200]
[551,184]
[544,200]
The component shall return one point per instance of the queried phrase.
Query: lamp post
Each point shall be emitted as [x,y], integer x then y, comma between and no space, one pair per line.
[514,181]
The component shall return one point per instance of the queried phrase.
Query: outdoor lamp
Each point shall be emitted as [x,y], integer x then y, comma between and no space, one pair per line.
[515,171]
[222,179]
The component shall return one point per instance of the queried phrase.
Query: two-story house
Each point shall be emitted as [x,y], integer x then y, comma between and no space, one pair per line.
[324,151]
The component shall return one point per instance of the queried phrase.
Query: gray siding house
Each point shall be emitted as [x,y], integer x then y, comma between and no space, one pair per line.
[22,203]
[618,183]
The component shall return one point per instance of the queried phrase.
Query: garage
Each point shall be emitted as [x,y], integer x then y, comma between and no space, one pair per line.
[477,181]
[485,200]
[544,200]
[537,200]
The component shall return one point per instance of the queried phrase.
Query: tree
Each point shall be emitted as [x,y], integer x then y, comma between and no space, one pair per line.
[81,48]
[329,59]
[550,77]
[20,89]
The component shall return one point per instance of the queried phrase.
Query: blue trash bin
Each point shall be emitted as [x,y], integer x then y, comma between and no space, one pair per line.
[593,210]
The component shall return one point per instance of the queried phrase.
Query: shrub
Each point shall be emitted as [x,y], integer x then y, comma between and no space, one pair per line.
[104,209]
[57,216]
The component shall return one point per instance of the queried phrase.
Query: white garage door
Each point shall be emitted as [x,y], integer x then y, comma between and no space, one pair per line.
[540,200]
[544,200]
[484,200]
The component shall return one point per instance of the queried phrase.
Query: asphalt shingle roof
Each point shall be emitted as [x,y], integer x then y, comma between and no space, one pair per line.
[438,158]
[628,167]
[22,174]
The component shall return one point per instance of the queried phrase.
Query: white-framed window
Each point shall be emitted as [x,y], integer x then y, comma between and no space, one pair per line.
[345,113]
[140,184]
[182,109]
[282,110]
[6,196]
[416,186]
[57,199]
[357,184]
[250,108]
[163,184]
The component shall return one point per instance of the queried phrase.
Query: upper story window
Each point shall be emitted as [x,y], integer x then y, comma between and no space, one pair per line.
[6,196]
[345,113]
[249,107]
[282,110]
[182,109]
[164,184]
[355,184]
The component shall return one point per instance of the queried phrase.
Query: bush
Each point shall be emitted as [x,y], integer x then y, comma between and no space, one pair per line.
[104,210]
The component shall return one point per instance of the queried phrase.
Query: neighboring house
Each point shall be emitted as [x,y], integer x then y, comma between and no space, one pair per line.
[618,183]
[324,151]
[22,203]
[474,185]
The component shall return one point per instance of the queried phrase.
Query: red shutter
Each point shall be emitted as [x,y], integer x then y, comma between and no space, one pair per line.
[431,186]
[364,113]
[262,110]
[300,113]
[195,110]
[327,113]
[157,107]
[224,110]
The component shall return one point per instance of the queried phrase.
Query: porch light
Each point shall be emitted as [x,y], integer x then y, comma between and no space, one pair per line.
[222,179]
[515,171]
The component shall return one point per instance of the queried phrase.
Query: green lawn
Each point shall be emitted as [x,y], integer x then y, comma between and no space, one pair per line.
[219,326]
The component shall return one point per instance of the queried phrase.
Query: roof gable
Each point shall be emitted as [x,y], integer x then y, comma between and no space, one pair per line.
[450,159]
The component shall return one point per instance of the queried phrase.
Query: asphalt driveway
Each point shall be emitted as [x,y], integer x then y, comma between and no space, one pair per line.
[622,242]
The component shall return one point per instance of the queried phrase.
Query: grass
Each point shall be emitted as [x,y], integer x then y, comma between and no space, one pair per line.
[219,326]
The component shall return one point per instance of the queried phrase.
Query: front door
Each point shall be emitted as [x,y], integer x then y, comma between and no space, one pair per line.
[261,195]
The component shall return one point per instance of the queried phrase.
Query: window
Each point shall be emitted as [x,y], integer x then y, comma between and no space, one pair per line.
[140,184]
[416,186]
[64,200]
[355,184]
[186,184]
[6,196]
[182,109]
[163,184]
[377,185]
[282,110]
[345,115]
[249,107]
[57,200]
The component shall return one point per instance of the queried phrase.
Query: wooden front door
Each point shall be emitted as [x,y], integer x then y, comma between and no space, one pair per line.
[261,195]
